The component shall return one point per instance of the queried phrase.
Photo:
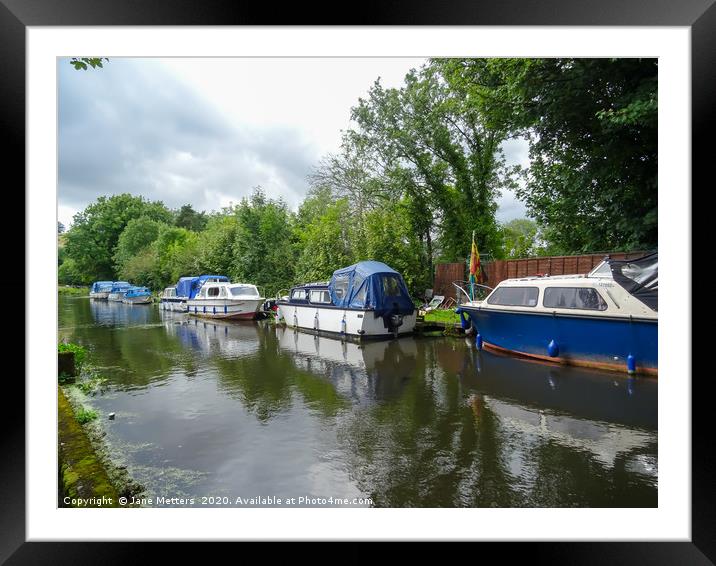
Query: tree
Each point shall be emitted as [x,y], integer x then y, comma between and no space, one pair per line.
[83,63]
[136,236]
[592,127]
[187,217]
[93,238]
[60,227]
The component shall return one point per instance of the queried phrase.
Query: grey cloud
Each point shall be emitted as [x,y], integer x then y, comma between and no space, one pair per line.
[133,127]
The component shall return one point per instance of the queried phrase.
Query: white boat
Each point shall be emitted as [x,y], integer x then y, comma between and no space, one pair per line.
[170,301]
[119,288]
[100,289]
[365,300]
[224,300]
[175,298]
[137,296]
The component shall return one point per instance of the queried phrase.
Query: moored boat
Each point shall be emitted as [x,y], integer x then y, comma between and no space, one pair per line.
[175,298]
[117,291]
[100,289]
[366,300]
[607,319]
[137,296]
[224,300]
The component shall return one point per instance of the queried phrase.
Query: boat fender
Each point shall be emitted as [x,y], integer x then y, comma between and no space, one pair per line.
[631,364]
[478,341]
[343,325]
[553,349]
[464,322]
[315,321]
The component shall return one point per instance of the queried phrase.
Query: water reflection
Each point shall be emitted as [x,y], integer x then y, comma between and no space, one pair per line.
[251,409]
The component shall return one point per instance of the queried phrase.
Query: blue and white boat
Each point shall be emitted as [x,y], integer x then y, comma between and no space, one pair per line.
[137,296]
[175,298]
[117,291]
[606,319]
[100,289]
[365,300]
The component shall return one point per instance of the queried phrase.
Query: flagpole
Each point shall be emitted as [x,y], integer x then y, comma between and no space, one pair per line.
[472,278]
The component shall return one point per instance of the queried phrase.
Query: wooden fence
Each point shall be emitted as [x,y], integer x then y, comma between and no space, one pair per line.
[495,271]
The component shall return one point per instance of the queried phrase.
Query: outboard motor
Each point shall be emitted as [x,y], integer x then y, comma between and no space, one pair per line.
[393,320]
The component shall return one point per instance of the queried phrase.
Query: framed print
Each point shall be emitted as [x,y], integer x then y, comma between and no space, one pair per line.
[351,213]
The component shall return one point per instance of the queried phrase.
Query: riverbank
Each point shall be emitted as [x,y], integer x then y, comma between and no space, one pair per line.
[87,475]
[73,291]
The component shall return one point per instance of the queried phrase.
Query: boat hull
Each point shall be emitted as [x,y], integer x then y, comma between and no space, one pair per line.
[599,342]
[174,305]
[329,321]
[245,309]
[99,295]
[115,297]
[137,300]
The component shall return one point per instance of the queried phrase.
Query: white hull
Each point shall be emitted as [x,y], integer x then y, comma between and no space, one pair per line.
[224,308]
[136,300]
[358,323]
[115,296]
[99,295]
[174,305]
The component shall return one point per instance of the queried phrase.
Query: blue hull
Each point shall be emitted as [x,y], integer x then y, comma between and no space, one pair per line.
[582,340]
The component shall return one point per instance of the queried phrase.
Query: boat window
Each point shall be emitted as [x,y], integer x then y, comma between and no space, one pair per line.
[391,286]
[322,297]
[212,291]
[514,296]
[222,293]
[573,298]
[340,285]
[298,295]
[244,290]
[602,270]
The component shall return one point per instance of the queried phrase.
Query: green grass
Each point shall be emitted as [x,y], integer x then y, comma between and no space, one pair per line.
[75,291]
[85,415]
[446,315]
[79,351]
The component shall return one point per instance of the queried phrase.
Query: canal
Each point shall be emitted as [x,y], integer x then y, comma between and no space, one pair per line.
[249,410]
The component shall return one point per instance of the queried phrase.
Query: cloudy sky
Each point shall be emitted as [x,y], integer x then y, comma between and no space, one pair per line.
[206,131]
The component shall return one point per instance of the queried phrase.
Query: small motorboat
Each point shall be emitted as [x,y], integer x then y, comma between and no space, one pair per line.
[137,296]
[117,291]
[606,319]
[221,299]
[100,289]
[366,300]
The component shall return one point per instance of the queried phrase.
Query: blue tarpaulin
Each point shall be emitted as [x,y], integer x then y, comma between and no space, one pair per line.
[371,285]
[138,292]
[189,286]
[118,286]
[101,285]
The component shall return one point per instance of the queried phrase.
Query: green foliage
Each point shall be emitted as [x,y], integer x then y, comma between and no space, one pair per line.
[83,63]
[136,237]
[263,250]
[75,291]
[84,415]
[187,217]
[79,351]
[93,238]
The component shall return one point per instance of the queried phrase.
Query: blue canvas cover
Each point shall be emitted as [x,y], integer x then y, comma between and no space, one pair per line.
[101,286]
[189,286]
[138,292]
[371,285]
[118,286]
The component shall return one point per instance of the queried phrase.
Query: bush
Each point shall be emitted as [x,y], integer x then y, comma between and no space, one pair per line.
[79,351]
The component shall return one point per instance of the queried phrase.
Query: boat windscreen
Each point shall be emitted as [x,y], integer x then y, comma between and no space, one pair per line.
[640,277]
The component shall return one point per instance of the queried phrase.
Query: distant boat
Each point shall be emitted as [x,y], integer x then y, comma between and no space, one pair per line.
[100,289]
[137,296]
[175,298]
[365,300]
[606,319]
[224,300]
[117,291]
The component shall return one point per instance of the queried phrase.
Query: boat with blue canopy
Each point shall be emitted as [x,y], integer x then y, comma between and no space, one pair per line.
[118,289]
[137,296]
[100,289]
[607,319]
[175,298]
[364,300]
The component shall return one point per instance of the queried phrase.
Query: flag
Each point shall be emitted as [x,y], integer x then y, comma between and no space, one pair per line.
[474,262]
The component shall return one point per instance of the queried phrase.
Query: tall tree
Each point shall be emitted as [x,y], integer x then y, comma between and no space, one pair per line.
[92,240]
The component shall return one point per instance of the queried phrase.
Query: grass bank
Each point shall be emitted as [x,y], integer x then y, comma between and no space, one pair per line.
[74,291]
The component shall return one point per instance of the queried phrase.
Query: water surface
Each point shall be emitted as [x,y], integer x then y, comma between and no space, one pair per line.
[247,410]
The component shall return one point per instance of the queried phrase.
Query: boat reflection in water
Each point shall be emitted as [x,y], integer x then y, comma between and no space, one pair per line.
[117,313]
[363,372]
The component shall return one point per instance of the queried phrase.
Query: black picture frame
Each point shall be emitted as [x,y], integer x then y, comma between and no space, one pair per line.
[699,15]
